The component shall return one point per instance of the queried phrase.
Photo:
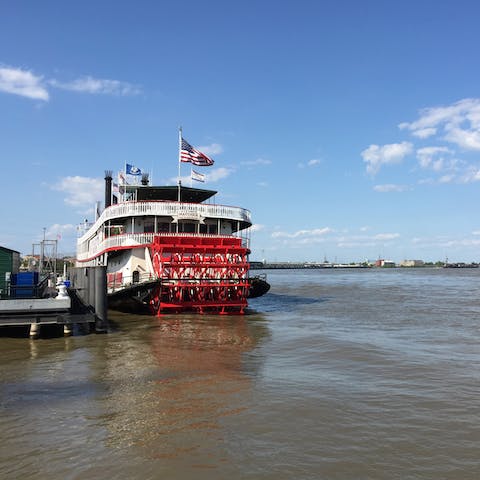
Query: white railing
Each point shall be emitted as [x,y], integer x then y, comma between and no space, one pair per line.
[178,210]
[89,250]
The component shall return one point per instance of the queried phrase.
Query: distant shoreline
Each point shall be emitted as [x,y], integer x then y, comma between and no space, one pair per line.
[355,266]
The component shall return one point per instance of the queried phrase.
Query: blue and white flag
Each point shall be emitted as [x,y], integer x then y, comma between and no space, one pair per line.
[132,170]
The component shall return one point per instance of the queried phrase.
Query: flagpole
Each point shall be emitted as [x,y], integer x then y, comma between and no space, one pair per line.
[179,159]
[124,180]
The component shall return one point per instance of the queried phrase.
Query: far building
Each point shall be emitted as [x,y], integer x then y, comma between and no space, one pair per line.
[385,263]
[412,263]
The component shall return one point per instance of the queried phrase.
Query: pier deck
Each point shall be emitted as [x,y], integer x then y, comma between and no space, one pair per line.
[15,312]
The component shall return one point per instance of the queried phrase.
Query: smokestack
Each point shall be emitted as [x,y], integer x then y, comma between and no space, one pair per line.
[108,188]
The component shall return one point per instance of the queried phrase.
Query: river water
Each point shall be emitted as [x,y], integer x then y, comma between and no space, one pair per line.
[346,374]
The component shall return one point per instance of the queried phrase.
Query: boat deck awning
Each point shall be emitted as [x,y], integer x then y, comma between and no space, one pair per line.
[170,193]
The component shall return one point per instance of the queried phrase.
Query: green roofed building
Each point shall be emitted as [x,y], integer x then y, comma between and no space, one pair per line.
[9,263]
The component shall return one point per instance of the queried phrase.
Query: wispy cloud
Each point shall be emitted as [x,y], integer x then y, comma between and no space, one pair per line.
[81,191]
[22,82]
[445,242]
[375,156]
[97,86]
[458,123]
[258,161]
[218,174]
[58,231]
[386,236]
[316,232]
[453,135]
[435,158]
[212,175]
[302,238]
[390,187]
[364,241]
[311,163]
[212,149]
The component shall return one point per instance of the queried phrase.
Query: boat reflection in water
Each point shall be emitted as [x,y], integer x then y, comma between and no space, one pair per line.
[174,384]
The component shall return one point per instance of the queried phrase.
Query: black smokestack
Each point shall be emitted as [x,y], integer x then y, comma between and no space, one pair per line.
[108,188]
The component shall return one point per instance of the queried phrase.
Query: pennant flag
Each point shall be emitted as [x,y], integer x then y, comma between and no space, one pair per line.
[199,177]
[192,155]
[132,170]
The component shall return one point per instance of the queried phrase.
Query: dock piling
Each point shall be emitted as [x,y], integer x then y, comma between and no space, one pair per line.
[34,330]
[100,285]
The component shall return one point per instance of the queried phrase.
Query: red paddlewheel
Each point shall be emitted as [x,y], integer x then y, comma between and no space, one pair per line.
[200,274]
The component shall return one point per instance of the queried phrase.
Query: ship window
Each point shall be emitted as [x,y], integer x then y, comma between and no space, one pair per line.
[148,226]
[203,228]
[163,227]
[187,227]
[212,229]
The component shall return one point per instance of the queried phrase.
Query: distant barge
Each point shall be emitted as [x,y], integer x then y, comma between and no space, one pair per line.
[461,265]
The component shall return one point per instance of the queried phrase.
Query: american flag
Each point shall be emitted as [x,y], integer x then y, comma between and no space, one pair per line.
[192,155]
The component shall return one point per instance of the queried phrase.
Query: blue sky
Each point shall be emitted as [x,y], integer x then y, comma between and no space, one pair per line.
[350,129]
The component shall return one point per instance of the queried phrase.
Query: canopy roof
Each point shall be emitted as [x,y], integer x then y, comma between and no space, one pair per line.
[187,194]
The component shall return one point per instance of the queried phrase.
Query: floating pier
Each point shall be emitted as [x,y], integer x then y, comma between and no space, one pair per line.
[81,300]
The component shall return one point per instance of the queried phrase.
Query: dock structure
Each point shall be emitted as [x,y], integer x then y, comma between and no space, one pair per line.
[81,301]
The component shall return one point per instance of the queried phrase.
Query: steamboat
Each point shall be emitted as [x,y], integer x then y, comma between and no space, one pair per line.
[170,249]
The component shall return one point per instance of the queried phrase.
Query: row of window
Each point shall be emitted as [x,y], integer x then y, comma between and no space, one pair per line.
[165,227]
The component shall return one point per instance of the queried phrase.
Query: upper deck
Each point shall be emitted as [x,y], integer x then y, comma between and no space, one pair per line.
[176,211]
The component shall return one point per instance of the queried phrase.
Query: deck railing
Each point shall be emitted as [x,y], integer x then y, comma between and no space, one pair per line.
[173,209]
[88,251]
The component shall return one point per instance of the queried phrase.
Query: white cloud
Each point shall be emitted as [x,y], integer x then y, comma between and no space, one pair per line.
[23,83]
[386,236]
[472,174]
[365,241]
[375,156]
[26,84]
[449,178]
[390,187]
[257,227]
[425,132]
[81,191]
[466,139]
[211,175]
[218,174]
[303,237]
[311,163]
[258,161]
[97,86]
[212,149]
[57,231]
[434,158]
[445,242]
[458,123]
[303,233]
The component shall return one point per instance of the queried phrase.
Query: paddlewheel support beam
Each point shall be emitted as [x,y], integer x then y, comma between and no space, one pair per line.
[203,275]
